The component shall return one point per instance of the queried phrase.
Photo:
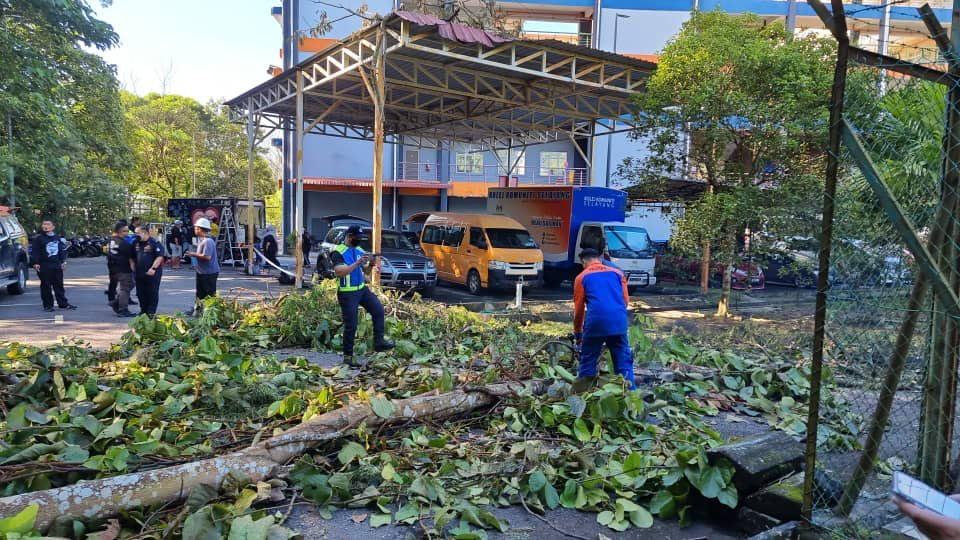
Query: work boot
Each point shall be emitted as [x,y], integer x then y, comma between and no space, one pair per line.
[352,361]
[125,313]
[384,345]
[583,384]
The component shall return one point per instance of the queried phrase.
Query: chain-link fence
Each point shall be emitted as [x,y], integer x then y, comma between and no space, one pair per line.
[890,338]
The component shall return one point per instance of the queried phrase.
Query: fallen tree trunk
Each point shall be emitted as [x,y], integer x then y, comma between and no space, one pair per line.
[108,496]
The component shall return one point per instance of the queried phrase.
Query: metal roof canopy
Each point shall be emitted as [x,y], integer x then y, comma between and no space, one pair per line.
[429,82]
[477,88]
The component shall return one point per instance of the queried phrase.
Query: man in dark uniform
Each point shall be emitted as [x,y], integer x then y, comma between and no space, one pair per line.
[49,256]
[349,260]
[120,263]
[306,242]
[149,270]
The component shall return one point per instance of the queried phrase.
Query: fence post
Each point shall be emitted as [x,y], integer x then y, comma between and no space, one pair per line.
[839,29]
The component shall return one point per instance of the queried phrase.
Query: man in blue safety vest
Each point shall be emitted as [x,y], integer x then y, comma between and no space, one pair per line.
[349,260]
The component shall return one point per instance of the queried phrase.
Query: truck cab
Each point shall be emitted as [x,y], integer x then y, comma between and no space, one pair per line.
[626,246]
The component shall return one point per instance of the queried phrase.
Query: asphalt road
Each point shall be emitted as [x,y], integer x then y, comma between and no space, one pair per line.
[23,319]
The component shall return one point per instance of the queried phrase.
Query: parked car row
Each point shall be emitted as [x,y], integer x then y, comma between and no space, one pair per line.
[793,262]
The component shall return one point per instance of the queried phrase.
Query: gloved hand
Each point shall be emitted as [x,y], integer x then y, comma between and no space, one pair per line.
[578,338]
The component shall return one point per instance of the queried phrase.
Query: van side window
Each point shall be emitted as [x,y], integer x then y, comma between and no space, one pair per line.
[476,238]
[454,236]
[432,235]
[4,228]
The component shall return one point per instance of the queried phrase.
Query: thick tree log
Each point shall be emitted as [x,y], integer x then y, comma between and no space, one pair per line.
[108,496]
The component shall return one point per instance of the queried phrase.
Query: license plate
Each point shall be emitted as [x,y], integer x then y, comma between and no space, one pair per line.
[410,283]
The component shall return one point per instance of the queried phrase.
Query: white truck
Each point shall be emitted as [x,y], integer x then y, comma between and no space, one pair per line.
[564,220]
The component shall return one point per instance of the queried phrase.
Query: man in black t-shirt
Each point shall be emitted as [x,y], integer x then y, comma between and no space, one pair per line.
[120,263]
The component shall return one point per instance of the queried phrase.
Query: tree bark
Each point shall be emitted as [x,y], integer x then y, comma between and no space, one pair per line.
[723,307]
[98,499]
[705,269]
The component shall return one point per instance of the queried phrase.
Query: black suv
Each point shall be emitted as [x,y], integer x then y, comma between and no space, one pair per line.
[13,253]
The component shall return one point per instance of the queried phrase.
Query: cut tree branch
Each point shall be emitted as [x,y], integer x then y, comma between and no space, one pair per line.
[98,499]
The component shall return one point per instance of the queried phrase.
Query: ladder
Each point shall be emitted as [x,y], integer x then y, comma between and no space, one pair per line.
[228,241]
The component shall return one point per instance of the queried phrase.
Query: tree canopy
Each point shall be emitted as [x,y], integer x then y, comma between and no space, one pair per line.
[63,105]
[182,148]
[753,102]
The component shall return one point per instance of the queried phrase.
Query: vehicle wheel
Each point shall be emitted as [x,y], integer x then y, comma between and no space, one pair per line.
[633,290]
[91,251]
[20,286]
[473,283]
[429,292]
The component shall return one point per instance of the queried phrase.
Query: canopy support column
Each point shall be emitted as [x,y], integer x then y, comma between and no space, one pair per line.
[376,83]
[251,228]
[298,165]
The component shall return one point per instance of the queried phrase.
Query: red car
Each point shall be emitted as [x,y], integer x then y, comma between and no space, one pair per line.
[677,268]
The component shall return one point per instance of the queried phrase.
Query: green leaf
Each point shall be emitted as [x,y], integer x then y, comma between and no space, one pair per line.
[663,504]
[605,518]
[388,472]
[536,481]
[728,496]
[113,431]
[351,451]
[382,407]
[73,454]
[201,525]
[379,520]
[243,502]
[710,482]
[580,430]
[640,518]
[22,522]
[408,513]
[562,371]
[245,528]
[550,496]
[633,465]
[17,417]
[490,521]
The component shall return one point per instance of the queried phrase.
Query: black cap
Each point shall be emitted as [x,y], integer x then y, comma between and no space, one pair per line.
[355,230]
[589,253]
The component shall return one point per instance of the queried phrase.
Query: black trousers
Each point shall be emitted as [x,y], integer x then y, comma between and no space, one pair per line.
[206,285]
[51,285]
[306,256]
[148,292]
[349,302]
[112,287]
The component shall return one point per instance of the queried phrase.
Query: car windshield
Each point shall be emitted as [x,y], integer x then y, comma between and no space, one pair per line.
[628,242]
[511,239]
[389,240]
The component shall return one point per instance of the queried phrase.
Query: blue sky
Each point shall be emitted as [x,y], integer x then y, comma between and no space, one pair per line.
[212,49]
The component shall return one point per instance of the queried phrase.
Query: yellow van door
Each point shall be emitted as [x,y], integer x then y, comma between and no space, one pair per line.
[451,246]
[473,252]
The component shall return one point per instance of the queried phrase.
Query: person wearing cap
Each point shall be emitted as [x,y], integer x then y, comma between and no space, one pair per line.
[349,260]
[600,301]
[208,267]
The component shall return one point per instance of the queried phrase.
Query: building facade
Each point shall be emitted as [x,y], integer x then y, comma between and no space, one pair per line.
[338,172]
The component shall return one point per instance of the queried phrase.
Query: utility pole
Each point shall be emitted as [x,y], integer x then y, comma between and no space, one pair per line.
[11,196]
[613,125]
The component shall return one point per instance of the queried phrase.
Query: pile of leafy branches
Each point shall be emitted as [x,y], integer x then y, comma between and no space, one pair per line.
[178,389]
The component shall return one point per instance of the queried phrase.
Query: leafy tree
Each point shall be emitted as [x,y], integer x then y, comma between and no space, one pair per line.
[754,101]
[183,148]
[67,147]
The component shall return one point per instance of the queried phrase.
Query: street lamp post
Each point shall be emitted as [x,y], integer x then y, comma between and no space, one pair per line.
[613,125]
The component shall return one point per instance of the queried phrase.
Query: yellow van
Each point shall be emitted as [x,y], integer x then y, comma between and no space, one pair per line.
[482,251]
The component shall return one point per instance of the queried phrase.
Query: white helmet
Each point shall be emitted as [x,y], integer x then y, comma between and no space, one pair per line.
[203,223]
